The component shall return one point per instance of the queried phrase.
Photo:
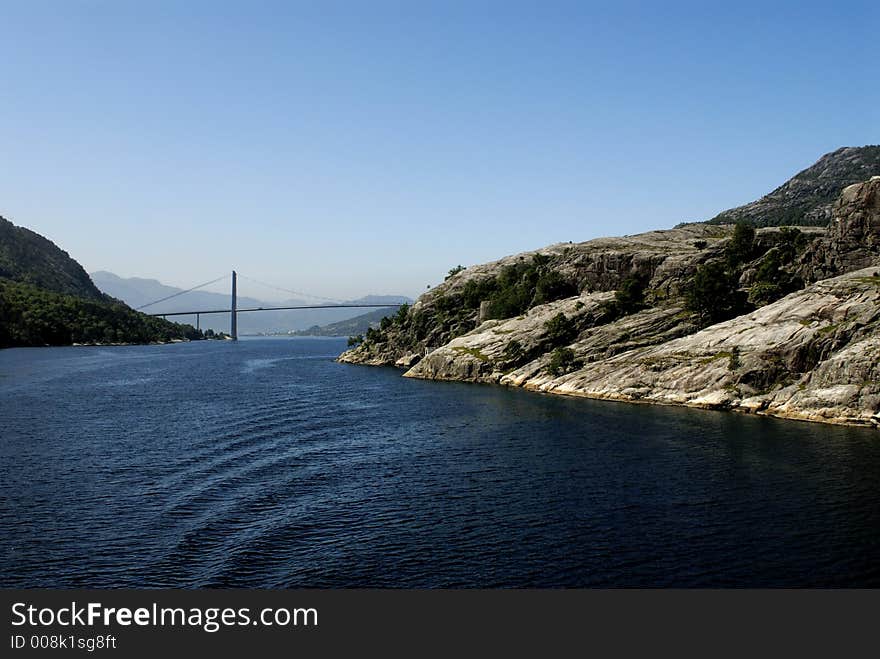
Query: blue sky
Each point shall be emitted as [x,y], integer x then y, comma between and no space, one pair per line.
[345,148]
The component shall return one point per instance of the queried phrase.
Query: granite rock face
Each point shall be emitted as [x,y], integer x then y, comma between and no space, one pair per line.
[853,239]
[814,354]
[493,349]
[666,259]
[855,227]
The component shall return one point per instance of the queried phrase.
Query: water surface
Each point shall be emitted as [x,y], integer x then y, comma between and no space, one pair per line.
[266,464]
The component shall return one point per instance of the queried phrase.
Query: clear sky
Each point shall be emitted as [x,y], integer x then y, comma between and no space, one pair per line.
[346,148]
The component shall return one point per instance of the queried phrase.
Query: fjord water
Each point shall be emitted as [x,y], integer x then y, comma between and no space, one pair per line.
[267,464]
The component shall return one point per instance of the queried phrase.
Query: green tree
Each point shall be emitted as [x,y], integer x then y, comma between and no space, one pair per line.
[551,286]
[454,271]
[630,296]
[771,280]
[517,288]
[34,316]
[400,316]
[513,351]
[714,294]
[741,247]
[560,329]
[562,361]
[734,362]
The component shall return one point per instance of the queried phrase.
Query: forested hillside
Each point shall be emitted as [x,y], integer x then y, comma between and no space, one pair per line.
[47,298]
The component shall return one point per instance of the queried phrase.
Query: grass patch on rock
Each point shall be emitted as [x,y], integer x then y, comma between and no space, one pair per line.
[473,352]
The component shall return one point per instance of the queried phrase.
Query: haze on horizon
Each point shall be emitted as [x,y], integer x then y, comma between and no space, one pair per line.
[346,148]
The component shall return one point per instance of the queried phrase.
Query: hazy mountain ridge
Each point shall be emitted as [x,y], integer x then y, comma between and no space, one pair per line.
[137,291]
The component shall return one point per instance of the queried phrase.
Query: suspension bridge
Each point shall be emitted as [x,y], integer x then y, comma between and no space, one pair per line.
[233,309]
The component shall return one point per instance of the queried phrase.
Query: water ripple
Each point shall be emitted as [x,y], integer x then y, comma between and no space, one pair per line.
[266,464]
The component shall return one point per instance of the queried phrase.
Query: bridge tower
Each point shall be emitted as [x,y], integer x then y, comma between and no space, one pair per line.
[233,321]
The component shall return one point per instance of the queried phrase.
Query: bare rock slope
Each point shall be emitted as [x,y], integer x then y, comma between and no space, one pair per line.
[811,354]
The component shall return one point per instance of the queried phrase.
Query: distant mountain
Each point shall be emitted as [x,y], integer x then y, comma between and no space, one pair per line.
[137,291]
[29,258]
[807,198]
[352,326]
[46,298]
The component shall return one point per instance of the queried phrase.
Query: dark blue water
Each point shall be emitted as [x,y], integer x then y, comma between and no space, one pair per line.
[267,464]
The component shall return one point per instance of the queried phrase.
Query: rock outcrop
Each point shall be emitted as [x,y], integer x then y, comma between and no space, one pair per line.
[665,259]
[813,354]
[853,239]
[855,229]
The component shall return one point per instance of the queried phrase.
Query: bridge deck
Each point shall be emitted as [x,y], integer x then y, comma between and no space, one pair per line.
[310,306]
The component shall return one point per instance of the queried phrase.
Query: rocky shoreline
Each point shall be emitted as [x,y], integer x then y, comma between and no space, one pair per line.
[812,355]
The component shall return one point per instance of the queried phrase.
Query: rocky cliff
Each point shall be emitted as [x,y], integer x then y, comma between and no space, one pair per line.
[621,318]
[812,355]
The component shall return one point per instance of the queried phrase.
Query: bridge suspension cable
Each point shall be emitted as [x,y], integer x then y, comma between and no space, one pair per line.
[189,290]
[287,290]
[234,310]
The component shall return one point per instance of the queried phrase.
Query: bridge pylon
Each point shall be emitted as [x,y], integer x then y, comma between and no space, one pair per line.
[233,321]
